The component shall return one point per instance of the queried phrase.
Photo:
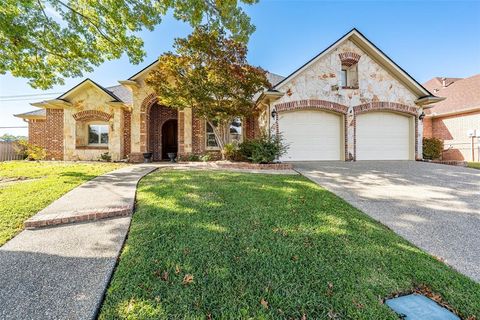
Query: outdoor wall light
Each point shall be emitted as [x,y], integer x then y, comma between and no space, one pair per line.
[274,113]
[421,116]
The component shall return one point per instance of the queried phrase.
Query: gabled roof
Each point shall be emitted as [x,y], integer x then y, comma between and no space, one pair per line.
[122,93]
[88,82]
[379,56]
[461,96]
[272,77]
[435,84]
[35,114]
[143,71]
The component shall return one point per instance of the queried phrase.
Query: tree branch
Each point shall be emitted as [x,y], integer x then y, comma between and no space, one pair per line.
[99,30]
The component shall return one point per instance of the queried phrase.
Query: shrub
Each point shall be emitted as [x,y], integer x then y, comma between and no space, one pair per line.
[230,151]
[264,149]
[193,157]
[105,157]
[206,157]
[432,148]
[245,149]
[31,151]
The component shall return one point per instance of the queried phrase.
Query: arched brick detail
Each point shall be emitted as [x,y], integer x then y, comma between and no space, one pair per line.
[311,104]
[147,103]
[385,106]
[92,115]
[349,58]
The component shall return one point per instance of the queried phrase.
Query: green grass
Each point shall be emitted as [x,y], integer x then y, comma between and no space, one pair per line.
[474,165]
[43,182]
[280,240]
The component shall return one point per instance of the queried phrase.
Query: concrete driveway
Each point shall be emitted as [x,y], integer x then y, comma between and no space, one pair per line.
[436,207]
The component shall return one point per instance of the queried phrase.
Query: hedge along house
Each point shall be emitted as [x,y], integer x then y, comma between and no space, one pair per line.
[350,102]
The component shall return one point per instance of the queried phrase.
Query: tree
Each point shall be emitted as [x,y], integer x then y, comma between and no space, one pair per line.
[210,74]
[10,137]
[48,40]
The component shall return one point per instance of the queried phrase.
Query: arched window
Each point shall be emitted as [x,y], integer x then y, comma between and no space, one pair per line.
[349,71]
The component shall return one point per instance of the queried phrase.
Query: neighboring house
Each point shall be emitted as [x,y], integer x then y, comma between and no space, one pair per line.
[455,120]
[350,102]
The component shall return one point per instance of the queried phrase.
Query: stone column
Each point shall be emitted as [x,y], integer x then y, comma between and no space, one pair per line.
[187,130]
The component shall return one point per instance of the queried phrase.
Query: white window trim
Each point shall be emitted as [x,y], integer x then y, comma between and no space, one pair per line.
[207,147]
[99,144]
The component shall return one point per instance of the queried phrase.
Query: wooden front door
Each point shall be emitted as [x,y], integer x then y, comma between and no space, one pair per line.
[169,138]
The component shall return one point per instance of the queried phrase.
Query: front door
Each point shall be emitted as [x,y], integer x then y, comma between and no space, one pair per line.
[169,138]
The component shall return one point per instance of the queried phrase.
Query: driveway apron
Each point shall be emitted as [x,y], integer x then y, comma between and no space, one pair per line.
[436,207]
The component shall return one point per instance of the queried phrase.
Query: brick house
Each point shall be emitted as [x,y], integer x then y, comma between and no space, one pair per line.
[455,120]
[350,102]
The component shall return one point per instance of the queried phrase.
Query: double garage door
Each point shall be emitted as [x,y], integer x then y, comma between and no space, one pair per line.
[318,135]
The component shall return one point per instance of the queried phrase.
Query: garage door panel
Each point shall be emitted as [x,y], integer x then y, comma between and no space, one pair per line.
[383,136]
[311,135]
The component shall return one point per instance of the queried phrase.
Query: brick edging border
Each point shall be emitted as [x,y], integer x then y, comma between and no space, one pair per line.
[257,166]
[90,215]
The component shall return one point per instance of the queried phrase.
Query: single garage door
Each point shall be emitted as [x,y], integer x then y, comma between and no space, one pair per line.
[311,135]
[384,136]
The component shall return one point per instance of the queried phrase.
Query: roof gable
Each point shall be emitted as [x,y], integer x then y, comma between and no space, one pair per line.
[143,71]
[375,53]
[82,85]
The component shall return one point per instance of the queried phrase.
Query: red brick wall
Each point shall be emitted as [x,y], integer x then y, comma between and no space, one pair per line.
[198,139]
[453,131]
[36,132]
[427,128]
[251,128]
[127,133]
[198,135]
[157,117]
[54,134]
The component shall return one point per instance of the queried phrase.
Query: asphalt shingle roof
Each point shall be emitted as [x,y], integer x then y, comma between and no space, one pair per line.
[39,112]
[122,93]
[460,94]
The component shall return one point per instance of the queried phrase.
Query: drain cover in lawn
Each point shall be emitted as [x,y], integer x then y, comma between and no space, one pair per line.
[418,307]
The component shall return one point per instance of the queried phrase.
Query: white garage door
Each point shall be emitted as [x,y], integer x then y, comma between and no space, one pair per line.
[384,136]
[311,135]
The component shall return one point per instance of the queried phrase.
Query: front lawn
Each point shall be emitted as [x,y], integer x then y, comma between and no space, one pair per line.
[27,187]
[217,245]
[474,165]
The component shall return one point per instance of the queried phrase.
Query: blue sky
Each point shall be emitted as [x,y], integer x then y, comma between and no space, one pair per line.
[426,38]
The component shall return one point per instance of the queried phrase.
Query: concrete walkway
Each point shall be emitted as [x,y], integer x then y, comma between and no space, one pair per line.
[106,196]
[62,272]
[436,207]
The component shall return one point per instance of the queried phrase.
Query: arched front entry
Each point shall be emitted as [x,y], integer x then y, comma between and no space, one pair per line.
[162,131]
[169,138]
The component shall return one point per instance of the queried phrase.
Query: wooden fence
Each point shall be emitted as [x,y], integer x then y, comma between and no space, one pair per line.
[8,151]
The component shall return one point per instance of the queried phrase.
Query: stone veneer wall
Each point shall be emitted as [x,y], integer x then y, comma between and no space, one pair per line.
[92,105]
[319,86]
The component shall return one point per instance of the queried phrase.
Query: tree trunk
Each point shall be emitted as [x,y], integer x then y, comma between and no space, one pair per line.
[221,134]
